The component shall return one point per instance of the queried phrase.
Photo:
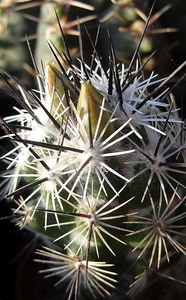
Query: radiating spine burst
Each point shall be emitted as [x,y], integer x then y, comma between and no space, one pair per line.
[98,164]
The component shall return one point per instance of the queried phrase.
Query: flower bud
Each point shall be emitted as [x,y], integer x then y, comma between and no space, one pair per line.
[58,89]
[94,111]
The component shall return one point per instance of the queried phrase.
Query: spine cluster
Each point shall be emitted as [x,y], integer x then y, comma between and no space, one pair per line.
[98,166]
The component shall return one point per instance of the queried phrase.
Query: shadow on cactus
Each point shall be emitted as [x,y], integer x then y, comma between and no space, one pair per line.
[98,165]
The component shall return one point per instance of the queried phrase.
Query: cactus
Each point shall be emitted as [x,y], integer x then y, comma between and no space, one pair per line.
[97,169]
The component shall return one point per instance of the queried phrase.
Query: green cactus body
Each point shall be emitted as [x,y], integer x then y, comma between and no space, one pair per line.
[98,169]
